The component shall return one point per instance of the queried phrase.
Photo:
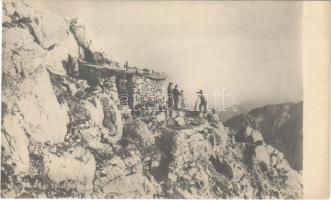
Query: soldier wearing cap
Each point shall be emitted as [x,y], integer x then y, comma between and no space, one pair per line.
[203,102]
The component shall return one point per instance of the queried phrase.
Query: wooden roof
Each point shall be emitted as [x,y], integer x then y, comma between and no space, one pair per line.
[107,70]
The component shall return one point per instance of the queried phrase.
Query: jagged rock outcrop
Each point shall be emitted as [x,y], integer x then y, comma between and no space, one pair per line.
[281,126]
[63,137]
[123,176]
[90,49]
[76,165]
[36,46]
[46,28]
[31,109]
[138,131]
[207,162]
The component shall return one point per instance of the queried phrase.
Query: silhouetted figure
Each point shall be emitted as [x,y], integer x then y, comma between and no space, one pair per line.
[181,100]
[170,101]
[203,102]
[176,94]
[126,66]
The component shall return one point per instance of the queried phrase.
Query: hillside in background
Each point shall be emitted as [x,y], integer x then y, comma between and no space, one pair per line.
[280,125]
[241,108]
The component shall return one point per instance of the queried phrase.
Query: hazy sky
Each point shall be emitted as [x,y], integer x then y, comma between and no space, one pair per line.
[251,48]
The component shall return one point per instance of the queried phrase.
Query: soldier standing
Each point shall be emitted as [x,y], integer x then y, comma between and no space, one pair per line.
[176,93]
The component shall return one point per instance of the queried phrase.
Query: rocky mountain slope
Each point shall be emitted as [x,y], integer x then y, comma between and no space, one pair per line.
[241,108]
[280,125]
[57,141]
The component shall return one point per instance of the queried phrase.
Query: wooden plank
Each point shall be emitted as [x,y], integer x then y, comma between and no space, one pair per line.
[106,69]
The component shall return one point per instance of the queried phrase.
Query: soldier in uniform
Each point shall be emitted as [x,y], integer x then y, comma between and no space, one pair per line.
[203,102]
[170,102]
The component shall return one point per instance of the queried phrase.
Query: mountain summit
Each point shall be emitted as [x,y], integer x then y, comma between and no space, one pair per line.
[66,132]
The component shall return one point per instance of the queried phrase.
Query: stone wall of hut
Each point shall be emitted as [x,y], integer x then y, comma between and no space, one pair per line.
[139,89]
[147,91]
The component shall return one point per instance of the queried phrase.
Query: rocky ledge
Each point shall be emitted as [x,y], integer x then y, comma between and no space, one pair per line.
[58,142]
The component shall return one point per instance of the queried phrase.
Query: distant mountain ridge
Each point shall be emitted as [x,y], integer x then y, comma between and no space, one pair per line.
[281,126]
[241,108]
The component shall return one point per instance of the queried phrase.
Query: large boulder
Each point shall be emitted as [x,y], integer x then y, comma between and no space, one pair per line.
[262,154]
[15,142]
[190,151]
[112,118]
[214,120]
[92,50]
[190,145]
[21,57]
[95,110]
[275,155]
[50,29]
[47,28]
[228,168]
[180,121]
[18,9]
[102,127]
[122,177]
[281,126]
[97,139]
[27,91]
[57,58]
[33,113]
[132,186]
[44,119]
[77,165]
[249,135]
[139,132]
[253,135]
[221,135]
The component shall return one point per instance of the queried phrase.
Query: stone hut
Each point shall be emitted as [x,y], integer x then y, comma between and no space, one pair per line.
[135,87]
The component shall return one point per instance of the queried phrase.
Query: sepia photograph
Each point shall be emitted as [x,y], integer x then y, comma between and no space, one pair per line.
[152,99]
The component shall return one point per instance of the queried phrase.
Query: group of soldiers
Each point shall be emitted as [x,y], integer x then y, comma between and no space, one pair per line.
[176,99]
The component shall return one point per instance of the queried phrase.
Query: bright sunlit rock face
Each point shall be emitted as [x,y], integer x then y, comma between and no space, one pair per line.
[65,136]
